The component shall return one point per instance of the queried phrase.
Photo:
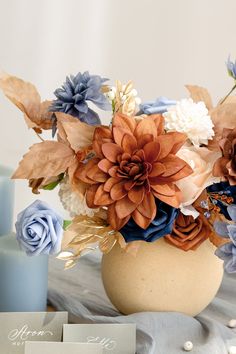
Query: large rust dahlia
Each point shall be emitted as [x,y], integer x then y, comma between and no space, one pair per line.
[225,166]
[135,163]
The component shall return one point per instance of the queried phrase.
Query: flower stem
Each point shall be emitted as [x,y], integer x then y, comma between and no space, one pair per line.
[224,99]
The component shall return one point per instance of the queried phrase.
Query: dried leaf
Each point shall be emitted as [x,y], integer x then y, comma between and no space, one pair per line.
[199,93]
[79,135]
[223,116]
[46,159]
[26,97]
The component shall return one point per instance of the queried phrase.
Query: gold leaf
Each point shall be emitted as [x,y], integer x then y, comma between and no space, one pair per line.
[46,159]
[26,97]
[199,93]
[66,255]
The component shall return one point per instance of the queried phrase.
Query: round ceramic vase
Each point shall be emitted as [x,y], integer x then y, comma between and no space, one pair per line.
[162,278]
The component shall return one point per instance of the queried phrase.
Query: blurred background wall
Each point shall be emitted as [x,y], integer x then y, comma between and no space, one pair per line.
[160,44]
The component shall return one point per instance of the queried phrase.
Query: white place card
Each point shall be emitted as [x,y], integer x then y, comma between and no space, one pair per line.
[115,338]
[62,348]
[18,327]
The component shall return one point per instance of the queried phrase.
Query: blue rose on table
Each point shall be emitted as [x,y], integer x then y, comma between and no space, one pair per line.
[161,226]
[39,229]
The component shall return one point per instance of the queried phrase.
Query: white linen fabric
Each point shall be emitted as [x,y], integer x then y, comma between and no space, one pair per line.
[80,292]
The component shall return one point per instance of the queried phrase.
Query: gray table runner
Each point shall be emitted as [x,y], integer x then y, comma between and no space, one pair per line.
[80,292]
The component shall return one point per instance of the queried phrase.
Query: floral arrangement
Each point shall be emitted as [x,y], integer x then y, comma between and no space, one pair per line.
[162,168]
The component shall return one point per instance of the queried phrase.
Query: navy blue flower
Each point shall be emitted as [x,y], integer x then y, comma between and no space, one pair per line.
[72,97]
[231,67]
[159,227]
[223,188]
[227,252]
[160,105]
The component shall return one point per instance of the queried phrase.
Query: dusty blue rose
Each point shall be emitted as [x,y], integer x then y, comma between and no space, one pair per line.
[227,252]
[74,94]
[231,67]
[159,227]
[39,229]
[160,105]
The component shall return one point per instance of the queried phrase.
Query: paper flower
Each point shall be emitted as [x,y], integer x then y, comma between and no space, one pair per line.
[225,166]
[201,160]
[231,67]
[160,105]
[39,229]
[73,200]
[135,163]
[72,97]
[189,233]
[227,252]
[160,226]
[192,119]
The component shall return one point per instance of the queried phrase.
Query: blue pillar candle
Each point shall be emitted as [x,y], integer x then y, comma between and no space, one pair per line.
[6,200]
[23,279]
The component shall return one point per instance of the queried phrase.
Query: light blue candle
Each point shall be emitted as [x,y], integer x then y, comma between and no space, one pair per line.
[23,279]
[6,200]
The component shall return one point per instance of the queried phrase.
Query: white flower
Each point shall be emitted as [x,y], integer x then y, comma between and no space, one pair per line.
[73,201]
[192,119]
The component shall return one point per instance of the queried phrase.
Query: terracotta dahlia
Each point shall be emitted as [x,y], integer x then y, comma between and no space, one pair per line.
[135,163]
[225,166]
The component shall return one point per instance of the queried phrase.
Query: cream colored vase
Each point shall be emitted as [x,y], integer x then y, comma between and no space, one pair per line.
[162,278]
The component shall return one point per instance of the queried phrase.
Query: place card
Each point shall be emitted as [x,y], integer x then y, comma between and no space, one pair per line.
[18,327]
[115,338]
[62,348]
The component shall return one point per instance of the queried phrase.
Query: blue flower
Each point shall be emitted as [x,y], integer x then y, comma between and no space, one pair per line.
[39,229]
[159,227]
[223,188]
[72,97]
[160,105]
[231,67]
[227,252]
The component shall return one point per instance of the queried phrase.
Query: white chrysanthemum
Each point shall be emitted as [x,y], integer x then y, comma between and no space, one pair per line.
[72,201]
[192,119]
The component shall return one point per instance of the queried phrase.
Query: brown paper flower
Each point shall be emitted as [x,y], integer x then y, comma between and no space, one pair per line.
[134,163]
[225,166]
[189,233]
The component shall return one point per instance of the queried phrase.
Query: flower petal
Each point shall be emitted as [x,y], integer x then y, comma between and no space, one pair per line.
[110,183]
[124,207]
[151,151]
[90,194]
[145,126]
[141,220]
[111,151]
[148,206]
[118,191]
[102,197]
[129,143]
[136,194]
[123,121]
[105,165]
[112,218]
[157,169]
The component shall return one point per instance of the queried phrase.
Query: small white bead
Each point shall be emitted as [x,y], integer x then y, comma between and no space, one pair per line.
[188,346]
[232,323]
[232,350]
